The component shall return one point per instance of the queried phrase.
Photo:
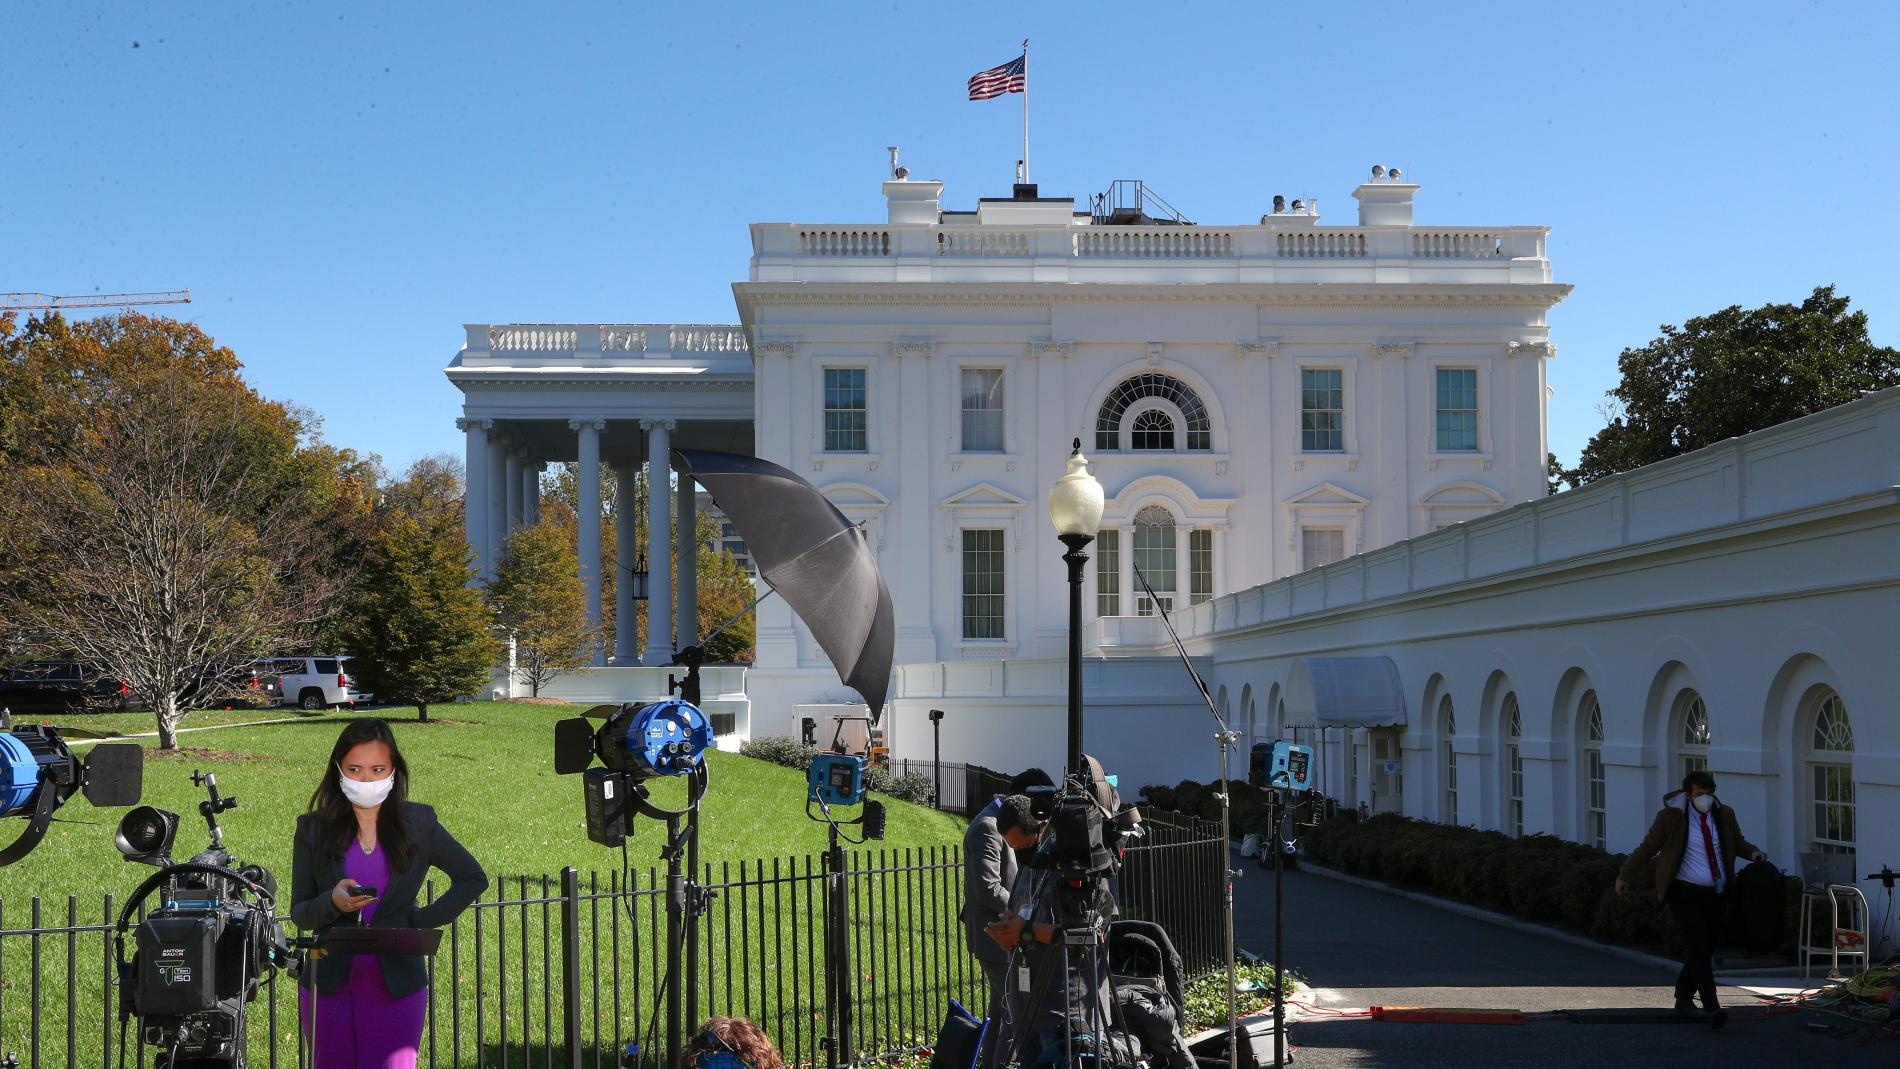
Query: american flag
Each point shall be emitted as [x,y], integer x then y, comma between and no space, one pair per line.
[1011,77]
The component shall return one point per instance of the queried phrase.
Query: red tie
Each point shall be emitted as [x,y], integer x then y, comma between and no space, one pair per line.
[1708,847]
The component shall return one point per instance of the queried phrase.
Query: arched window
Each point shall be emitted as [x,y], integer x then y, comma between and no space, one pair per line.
[1154,555]
[1595,797]
[1447,727]
[1152,421]
[1153,428]
[1830,762]
[1513,766]
[1692,733]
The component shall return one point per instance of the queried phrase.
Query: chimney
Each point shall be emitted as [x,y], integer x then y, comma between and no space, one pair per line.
[913,203]
[1385,199]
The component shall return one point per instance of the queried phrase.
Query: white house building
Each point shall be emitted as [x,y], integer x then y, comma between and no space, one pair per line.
[1324,448]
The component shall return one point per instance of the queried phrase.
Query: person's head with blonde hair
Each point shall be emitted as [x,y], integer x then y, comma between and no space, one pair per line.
[722,1040]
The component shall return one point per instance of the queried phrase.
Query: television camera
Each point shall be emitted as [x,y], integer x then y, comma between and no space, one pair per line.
[205,952]
[39,773]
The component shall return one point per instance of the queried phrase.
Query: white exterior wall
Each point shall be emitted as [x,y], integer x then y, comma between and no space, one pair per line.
[1761,572]
[1068,310]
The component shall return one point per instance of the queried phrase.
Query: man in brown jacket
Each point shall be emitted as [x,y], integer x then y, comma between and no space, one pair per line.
[1692,845]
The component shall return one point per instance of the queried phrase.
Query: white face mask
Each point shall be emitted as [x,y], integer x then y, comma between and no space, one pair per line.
[1702,802]
[366,794]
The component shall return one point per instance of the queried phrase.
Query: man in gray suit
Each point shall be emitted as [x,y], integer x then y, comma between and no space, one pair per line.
[1003,827]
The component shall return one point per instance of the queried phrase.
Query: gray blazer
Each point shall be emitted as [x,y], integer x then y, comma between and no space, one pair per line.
[312,878]
[989,870]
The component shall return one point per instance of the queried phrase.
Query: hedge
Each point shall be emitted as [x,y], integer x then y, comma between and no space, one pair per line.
[1538,878]
[914,787]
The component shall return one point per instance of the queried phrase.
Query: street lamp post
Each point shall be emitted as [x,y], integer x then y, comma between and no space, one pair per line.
[936,755]
[1075,507]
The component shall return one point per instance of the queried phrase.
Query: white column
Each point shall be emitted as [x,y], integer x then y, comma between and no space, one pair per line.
[497,494]
[513,490]
[686,630]
[589,523]
[530,491]
[659,547]
[475,493]
[626,652]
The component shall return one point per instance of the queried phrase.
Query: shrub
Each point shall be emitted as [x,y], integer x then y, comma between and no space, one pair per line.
[909,787]
[780,750]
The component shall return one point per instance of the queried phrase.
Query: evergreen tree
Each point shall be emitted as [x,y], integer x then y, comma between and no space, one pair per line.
[418,630]
[537,595]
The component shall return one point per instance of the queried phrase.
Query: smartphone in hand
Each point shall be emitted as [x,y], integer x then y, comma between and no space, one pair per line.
[362,891]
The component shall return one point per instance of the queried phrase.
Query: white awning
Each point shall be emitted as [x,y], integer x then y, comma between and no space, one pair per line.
[1352,692]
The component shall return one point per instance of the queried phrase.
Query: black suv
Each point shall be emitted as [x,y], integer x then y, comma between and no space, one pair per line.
[59,687]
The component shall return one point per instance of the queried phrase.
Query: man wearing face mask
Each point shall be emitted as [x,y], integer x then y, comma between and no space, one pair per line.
[361,855]
[1692,845]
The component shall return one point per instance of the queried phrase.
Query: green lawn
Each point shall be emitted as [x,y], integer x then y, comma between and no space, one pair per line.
[487,770]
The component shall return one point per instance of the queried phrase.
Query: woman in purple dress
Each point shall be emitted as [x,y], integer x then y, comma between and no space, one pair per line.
[361,856]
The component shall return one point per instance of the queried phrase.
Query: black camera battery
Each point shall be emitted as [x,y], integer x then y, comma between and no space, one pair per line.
[607,803]
[178,963]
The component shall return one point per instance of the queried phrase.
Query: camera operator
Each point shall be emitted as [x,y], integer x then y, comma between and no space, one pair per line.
[362,833]
[990,848]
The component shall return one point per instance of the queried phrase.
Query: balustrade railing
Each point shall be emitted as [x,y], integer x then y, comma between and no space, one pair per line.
[706,338]
[844,242]
[984,241]
[1458,245]
[621,338]
[531,338]
[1317,244]
[1154,243]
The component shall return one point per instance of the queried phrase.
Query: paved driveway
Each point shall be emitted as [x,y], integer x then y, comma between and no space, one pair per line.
[1360,947]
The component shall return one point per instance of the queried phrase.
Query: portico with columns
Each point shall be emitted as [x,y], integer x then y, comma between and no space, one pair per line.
[610,398]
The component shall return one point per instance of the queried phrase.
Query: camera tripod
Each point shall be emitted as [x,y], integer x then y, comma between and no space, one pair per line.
[1076,957]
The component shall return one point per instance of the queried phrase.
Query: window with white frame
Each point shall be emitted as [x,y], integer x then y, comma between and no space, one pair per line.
[1108,572]
[1447,727]
[1830,762]
[1321,545]
[1200,566]
[1595,796]
[983,584]
[1155,556]
[1692,733]
[1322,410]
[1513,766]
[1153,422]
[1457,409]
[982,390]
[845,424]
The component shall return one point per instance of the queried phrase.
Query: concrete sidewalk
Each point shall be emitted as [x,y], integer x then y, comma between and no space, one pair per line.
[1360,947]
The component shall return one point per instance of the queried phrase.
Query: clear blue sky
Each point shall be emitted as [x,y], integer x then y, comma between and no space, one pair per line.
[342,192]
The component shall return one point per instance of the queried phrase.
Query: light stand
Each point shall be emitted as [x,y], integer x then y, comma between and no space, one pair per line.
[936,755]
[1225,737]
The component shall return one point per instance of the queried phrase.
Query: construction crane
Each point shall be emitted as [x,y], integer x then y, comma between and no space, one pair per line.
[46,302]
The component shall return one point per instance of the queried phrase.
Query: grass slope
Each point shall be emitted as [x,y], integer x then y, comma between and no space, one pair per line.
[488,773]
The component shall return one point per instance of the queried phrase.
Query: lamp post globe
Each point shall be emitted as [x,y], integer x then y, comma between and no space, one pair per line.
[1075,507]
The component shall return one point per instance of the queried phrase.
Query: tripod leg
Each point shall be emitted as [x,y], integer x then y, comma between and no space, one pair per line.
[1032,1001]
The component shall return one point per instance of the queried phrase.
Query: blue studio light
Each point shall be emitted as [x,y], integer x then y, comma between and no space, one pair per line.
[668,738]
[19,775]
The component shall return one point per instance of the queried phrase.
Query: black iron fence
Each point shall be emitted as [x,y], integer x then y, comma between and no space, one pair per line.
[565,971]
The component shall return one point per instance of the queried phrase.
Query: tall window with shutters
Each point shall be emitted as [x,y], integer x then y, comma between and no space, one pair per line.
[1200,566]
[1321,545]
[1830,763]
[1513,767]
[983,584]
[1322,410]
[1595,796]
[1108,572]
[1457,409]
[982,390]
[1692,733]
[846,429]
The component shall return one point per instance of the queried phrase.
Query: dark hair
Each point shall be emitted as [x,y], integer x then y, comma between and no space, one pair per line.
[1014,812]
[1699,778]
[736,1034]
[335,818]
[1027,778]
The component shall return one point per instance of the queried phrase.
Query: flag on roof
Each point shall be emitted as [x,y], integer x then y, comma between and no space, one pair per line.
[1011,77]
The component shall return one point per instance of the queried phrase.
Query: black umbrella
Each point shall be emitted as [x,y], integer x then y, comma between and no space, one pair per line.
[812,556]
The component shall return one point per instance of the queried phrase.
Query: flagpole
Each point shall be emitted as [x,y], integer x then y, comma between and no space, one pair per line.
[1026,177]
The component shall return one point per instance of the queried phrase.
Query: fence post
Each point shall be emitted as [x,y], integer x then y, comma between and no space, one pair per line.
[571,963]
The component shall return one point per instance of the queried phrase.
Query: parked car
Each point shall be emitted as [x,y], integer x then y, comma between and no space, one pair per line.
[60,687]
[312,682]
